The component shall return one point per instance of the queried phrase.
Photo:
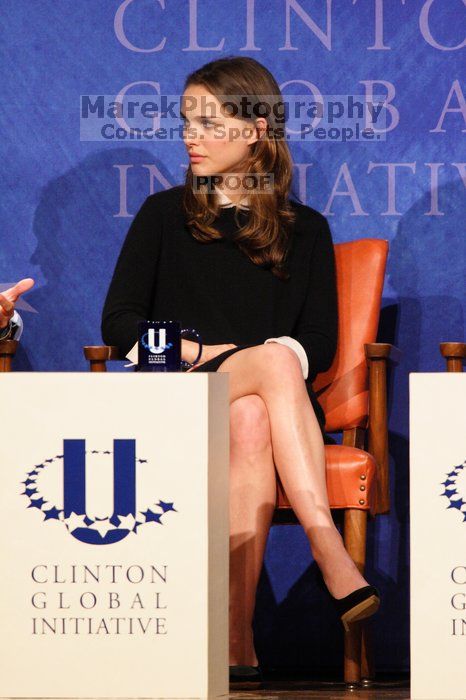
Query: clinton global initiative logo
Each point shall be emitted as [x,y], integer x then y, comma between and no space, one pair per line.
[58,488]
[455,489]
[148,341]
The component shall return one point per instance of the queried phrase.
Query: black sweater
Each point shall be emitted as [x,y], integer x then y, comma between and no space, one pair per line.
[163,272]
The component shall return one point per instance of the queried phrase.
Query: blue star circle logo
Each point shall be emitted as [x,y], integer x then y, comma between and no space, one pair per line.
[455,489]
[101,530]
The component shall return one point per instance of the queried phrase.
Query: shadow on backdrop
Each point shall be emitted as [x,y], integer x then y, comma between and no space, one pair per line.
[78,241]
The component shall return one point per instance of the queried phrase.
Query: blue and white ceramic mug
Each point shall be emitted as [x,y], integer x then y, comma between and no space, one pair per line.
[160,346]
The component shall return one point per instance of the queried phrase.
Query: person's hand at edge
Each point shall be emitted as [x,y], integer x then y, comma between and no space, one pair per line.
[8,299]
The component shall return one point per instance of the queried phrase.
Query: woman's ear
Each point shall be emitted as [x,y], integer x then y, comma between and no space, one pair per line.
[258,129]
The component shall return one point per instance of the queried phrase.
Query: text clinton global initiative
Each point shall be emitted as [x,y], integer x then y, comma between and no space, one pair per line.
[74,599]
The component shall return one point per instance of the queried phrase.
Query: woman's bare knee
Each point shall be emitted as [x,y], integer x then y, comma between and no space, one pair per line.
[263,369]
[249,424]
[265,359]
[280,362]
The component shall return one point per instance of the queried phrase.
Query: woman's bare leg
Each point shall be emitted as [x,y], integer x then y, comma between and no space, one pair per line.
[252,502]
[273,371]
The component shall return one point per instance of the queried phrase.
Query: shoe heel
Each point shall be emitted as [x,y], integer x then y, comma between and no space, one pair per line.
[365,609]
[361,603]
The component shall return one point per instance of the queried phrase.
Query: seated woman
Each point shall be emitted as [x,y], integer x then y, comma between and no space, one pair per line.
[255,275]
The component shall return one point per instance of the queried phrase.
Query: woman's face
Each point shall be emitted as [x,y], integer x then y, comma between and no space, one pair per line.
[221,142]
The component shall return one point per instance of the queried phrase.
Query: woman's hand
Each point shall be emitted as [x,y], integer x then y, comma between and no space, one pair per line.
[9,298]
[189,352]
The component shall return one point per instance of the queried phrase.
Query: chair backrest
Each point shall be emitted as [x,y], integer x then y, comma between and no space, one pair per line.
[343,389]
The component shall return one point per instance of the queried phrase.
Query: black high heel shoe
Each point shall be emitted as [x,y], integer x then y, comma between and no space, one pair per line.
[245,674]
[361,603]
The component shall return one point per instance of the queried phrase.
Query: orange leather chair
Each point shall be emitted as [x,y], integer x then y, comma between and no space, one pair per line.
[353,395]
[7,352]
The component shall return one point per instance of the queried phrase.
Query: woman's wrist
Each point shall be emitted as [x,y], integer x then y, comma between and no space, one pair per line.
[189,350]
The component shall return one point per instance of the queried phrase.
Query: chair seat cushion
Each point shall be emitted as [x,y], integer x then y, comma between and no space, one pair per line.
[351,479]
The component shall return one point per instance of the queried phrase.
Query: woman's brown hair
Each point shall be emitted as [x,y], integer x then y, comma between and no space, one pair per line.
[264,237]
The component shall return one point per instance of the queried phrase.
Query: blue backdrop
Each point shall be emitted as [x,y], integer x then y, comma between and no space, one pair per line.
[67,205]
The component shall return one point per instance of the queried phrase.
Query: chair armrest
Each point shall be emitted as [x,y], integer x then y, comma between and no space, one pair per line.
[382,351]
[377,355]
[454,353]
[7,352]
[99,355]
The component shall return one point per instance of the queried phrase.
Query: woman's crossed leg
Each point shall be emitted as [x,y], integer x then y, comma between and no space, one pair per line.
[252,501]
[273,373]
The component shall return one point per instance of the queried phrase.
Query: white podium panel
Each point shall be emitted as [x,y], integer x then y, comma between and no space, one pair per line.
[438,535]
[114,535]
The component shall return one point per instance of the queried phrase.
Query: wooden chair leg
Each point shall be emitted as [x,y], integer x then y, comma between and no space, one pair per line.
[354,536]
[367,654]
[352,657]
[7,352]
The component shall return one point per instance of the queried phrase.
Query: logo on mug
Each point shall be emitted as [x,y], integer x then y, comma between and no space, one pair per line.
[63,478]
[160,344]
[148,340]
